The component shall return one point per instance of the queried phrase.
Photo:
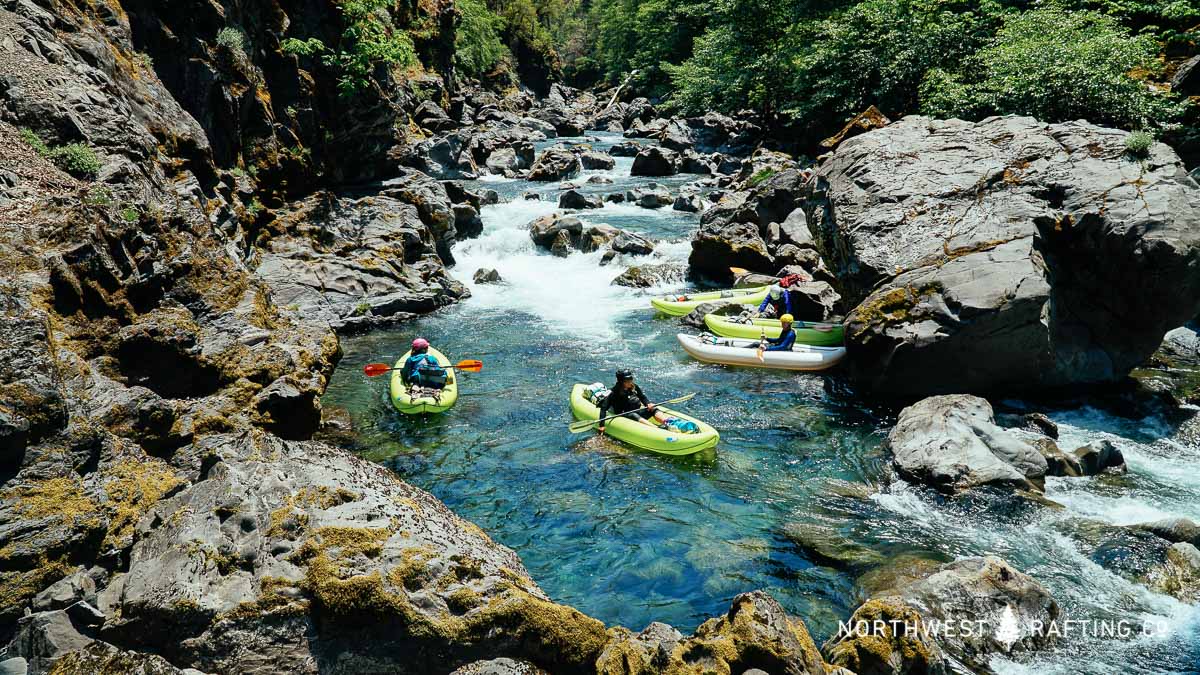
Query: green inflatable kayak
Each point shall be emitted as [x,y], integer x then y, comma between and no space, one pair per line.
[656,439]
[680,305]
[727,326]
[427,404]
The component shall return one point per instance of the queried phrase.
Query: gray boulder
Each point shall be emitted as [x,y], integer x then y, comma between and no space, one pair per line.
[597,161]
[645,276]
[1174,530]
[650,196]
[688,203]
[626,149]
[1186,80]
[486,275]
[1006,254]
[676,135]
[573,199]
[952,443]
[655,161]
[544,230]
[555,164]
[630,243]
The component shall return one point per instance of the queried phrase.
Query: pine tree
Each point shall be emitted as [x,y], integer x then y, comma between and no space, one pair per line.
[1008,632]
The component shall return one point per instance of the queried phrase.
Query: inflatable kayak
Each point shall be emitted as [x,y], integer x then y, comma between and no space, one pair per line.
[728,326]
[427,404]
[735,352]
[656,439]
[680,305]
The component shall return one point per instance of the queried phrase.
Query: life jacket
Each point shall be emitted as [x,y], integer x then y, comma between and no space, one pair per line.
[428,372]
[792,280]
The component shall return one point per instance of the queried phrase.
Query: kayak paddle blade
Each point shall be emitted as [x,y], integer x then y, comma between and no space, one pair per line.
[470,365]
[376,369]
[739,271]
[582,426]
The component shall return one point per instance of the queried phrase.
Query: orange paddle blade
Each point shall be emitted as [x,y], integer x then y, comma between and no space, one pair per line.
[374,369]
[739,271]
[470,365]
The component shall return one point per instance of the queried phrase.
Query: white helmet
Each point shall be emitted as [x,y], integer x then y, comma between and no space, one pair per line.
[776,292]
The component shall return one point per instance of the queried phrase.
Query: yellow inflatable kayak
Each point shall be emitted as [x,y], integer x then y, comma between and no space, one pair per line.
[680,305]
[644,436]
[410,406]
[726,326]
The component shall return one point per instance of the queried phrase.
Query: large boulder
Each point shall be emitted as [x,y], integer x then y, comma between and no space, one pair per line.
[592,160]
[359,262]
[655,161]
[1179,574]
[755,229]
[288,553]
[894,631]
[1006,254]
[715,132]
[573,199]
[952,443]
[555,164]
[649,196]
[626,149]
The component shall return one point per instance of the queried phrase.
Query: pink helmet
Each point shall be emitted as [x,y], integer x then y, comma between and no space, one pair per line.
[420,343]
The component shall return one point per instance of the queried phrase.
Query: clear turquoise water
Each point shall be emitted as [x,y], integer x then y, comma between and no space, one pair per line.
[631,537]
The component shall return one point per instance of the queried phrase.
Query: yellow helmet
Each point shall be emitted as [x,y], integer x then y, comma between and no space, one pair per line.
[786,318]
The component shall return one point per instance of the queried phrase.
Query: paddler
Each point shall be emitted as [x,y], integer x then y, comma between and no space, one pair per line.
[779,296]
[783,343]
[421,369]
[627,400]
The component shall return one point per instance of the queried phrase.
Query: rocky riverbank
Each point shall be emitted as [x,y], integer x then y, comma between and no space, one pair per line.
[188,221]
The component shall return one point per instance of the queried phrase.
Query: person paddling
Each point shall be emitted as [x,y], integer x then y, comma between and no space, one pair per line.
[783,343]
[421,369]
[626,398]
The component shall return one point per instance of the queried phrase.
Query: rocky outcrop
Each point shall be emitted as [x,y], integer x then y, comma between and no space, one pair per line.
[1006,254]
[573,199]
[354,263]
[596,161]
[626,149]
[760,230]
[754,633]
[952,443]
[649,196]
[892,632]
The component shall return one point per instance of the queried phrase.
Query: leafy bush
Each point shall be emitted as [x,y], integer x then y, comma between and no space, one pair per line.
[1057,65]
[34,141]
[232,39]
[1138,143]
[307,47]
[477,46]
[76,159]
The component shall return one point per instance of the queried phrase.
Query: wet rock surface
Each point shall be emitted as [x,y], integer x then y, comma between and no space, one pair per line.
[978,254]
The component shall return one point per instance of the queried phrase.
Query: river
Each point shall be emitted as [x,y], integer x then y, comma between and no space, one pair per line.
[631,537]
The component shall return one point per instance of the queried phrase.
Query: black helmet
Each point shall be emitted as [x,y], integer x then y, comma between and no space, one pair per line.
[624,374]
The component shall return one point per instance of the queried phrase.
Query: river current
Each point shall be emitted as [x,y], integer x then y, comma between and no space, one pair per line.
[631,537]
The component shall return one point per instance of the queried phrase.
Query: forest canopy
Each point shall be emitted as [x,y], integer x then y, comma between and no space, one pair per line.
[810,64]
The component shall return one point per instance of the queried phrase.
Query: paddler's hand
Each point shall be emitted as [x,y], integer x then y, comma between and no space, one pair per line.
[600,429]
[650,407]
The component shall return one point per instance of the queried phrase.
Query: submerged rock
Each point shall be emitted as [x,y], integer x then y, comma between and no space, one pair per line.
[1179,575]
[1005,255]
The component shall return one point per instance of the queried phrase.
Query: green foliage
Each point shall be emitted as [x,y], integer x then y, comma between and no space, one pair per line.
[370,39]
[254,208]
[1057,65]
[34,141]
[129,214]
[77,159]
[298,47]
[100,196]
[477,46]
[232,39]
[1138,143]
[760,176]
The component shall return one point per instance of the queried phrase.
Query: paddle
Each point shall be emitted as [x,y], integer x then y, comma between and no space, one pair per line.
[468,365]
[739,271]
[762,346]
[583,425]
